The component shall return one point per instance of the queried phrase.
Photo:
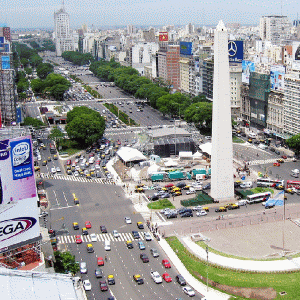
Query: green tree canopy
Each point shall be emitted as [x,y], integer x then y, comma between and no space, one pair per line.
[44,69]
[36,123]
[65,262]
[199,113]
[294,143]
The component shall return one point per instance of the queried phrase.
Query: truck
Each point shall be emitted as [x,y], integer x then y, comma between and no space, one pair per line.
[157,177]
[176,175]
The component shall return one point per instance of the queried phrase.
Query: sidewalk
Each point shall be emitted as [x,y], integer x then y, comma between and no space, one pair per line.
[248,265]
[211,294]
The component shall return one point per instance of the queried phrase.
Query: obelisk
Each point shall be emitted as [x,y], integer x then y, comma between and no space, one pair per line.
[222,186]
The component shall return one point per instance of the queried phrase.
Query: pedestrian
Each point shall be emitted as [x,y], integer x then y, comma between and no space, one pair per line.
[222,216]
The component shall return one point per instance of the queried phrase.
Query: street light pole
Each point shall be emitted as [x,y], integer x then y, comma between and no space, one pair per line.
[207,269]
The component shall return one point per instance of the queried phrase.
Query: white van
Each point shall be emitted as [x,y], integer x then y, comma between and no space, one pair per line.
[245,185]
[242,202]
[262,146]
[107,245]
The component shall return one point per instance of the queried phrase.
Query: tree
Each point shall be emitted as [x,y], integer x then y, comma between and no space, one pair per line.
[44,69]
[199,113]
[36,123]
[35,60]
[56,134]
[65,262]
[294,143]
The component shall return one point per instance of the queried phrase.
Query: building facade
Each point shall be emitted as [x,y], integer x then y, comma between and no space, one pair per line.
[275,112]
[184,65]
[235,74]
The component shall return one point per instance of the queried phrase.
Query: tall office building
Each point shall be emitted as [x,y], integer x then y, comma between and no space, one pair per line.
[274,28]
[63,39]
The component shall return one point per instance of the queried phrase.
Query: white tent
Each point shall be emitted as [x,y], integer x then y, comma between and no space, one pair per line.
[197,155]
[171,163]
[206,148]
[185,154]
[153,169]
[128,154]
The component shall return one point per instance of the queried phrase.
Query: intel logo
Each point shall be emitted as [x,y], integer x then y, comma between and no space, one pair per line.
[13,227]
[21,149]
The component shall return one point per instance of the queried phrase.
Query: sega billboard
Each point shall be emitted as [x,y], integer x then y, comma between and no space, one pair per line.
[236,51]
[18,195]
[186,48]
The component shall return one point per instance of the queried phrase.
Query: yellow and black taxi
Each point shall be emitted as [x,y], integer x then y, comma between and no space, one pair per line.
[140,225]
[249,140]
[129,244]
[176,193]
[44,163]
[138,279]
[49,158]
[139,190]
[37,168]
[206,208]
[76,201]
[75,226]
[233,206]
[90,248]
[175,189]
[228,204]
[55,157]
[221,209]
[110,279]
[84,231]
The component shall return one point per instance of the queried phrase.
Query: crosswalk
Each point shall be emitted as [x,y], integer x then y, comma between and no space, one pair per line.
[120,133]
[267,161]
[69,239]
[74,178]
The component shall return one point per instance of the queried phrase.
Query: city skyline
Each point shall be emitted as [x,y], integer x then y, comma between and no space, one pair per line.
[154,12]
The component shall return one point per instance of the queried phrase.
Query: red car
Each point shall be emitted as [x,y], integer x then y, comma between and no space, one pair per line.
[284,156]
[69,162]
[169,185]
[88,225]
[166,263]
[78,239]
[167,277]
[103,286]
[100,261]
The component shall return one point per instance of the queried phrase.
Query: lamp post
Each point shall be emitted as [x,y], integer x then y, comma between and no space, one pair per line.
[207,268]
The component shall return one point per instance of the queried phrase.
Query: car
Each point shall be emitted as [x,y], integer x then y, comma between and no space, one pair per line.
[69,172]
[201,213]
[186,214]
[110,279]
[171,215]
[197,208]
[165,195]
[233,206]
[49,158]
[276,164]
[154,252]
[277,152]
[180,279]
[221,209]
[115,233]
[127,220]
[53,170]
[83,267]
[58,169]
[140,225]
[280,160]
[93,237]
[87,285]
[135,234]
[156,277]
[284,156]
[129,244]
[75,226]
[206,187]
[98,273]
[269,206]
[141,246]
[88,224]
[103,286]
[181,184]
[166,263]
[144,258]
[103,229]
[191,191]
[167,277]
[78,239]
[189,291]
[100,261]
[90,248]
[44,163]
[84,231]
[138,279]
[169,185]
[148,236]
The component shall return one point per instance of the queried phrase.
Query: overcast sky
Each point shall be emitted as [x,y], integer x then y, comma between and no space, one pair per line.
[39,13]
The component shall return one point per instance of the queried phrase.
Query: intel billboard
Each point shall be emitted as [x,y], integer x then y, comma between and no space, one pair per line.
[236,51]
[186,48]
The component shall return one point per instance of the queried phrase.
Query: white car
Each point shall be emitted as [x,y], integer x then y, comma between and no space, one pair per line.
[97,167]
[53,170]
[191,191]
[87,285]
[156,277]
[148,236]
[189,291]
[116,234]
[76,173]
[58,169]
[127,220]
[93,237]
[201,213]
[83,267]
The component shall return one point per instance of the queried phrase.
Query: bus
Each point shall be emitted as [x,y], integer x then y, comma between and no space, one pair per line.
[268,182]
[293,184]
[257,198]
[52,149]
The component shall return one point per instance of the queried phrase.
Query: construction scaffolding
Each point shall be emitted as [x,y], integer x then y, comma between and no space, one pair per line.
[8,94]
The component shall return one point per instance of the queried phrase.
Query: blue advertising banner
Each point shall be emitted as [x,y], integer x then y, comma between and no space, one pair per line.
[5,63]
[21,158]
[1,41]
[236,51]
[277,77]
[186,48]
[19,115]
[247,68]
[4,146]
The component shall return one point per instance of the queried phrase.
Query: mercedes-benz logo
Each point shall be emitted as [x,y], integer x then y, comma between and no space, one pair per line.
[232,48]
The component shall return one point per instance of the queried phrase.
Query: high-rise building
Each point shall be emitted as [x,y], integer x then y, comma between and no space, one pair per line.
[63,39]
[274,28]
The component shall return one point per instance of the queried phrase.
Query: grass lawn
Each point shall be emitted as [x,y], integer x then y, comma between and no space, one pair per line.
[71,151]
[160,204]
[288,282]
[262,190]
[236,139]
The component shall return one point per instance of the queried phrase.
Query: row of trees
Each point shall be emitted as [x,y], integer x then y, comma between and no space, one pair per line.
[197,109]
[44,45]
[78,58]
[27,56]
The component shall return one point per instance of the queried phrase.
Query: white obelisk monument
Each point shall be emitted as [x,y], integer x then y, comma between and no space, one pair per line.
[222,186]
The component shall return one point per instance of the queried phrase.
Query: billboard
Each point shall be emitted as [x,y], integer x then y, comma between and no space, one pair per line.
[277,77]
[18,195]
[247,68]
[163,37]
[236,51]
[296,52]
[5,62]
[186,48]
